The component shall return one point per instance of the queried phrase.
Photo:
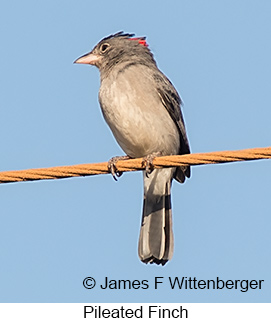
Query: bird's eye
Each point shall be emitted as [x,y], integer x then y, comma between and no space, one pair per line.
[104,47]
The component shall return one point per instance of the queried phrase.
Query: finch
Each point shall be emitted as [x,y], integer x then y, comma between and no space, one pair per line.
[143,110]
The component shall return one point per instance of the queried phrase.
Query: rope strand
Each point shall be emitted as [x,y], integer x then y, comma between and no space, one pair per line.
[134,165]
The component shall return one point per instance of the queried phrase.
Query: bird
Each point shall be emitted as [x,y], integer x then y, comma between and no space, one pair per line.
[143,110]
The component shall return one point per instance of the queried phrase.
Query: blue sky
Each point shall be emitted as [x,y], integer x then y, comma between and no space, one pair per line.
[53,234]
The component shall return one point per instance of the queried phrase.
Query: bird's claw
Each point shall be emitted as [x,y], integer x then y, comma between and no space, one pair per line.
[113,168]
[147,163]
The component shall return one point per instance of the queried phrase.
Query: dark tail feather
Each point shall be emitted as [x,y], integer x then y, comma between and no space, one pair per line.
[156,235]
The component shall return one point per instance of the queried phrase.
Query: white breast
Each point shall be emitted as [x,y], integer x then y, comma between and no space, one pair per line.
[135,114]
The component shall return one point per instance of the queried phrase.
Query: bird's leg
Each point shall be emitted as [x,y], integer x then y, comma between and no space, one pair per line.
[113,168]
[148,162]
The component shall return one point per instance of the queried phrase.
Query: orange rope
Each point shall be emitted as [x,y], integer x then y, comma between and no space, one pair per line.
[134,164]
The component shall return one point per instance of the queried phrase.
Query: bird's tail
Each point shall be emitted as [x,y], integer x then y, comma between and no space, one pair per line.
[156,235]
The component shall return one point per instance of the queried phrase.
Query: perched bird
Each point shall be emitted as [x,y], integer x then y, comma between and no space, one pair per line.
[142,109]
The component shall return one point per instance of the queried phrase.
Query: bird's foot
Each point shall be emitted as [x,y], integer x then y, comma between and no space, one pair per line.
[113,168]
[147,162]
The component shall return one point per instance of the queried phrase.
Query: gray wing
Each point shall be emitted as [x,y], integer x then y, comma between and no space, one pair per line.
[172,102]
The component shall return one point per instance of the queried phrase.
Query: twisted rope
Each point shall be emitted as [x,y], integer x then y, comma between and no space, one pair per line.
[134,165]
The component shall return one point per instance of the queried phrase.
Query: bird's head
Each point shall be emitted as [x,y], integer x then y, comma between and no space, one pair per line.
[115,49]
